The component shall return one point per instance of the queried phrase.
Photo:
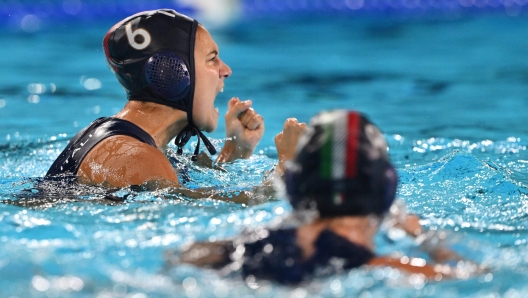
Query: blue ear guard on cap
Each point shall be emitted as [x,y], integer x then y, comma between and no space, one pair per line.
[168,76]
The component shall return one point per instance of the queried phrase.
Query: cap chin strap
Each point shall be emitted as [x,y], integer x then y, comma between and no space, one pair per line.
[185,135]
[191,130]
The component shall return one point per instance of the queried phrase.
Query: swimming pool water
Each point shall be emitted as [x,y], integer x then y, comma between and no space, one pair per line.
[448,92]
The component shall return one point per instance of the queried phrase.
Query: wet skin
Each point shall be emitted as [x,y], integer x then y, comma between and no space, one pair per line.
[120,161]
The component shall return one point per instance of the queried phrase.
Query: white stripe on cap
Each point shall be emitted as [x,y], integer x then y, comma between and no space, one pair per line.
[339,144]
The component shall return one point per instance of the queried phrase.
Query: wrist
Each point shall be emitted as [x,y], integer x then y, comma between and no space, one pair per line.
[232,151]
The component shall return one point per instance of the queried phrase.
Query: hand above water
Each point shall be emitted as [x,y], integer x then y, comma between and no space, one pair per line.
[244,129]
[286,142]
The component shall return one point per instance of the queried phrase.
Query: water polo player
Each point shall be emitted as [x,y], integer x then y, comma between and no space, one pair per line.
[170,68]
[342,174]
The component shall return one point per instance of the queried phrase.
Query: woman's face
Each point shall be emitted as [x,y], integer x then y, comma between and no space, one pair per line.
[210,73]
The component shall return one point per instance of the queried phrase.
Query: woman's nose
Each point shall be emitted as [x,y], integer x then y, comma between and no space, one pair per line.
[225,70]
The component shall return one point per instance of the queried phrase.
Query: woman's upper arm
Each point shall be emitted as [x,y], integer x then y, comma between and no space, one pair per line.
[122,161]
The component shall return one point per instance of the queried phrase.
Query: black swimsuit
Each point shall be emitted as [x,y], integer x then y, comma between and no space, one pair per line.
[69,161]
[277,256]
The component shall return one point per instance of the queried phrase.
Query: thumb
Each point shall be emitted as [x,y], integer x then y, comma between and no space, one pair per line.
[236,107]
[232,102]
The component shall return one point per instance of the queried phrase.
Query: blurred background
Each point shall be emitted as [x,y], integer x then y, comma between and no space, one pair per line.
[429,60]
[445,80]
[34,15]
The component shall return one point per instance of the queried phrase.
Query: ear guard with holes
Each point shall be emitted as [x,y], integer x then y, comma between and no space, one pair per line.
[167,76]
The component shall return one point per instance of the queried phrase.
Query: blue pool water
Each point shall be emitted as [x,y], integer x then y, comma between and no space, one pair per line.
[448,90]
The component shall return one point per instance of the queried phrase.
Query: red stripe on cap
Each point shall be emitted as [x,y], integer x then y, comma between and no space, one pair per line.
[353,133]
[106,48]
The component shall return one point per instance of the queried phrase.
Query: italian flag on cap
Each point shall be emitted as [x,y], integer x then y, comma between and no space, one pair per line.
[339,152]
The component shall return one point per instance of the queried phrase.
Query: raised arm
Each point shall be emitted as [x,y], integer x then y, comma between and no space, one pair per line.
[286,142]
[244,129]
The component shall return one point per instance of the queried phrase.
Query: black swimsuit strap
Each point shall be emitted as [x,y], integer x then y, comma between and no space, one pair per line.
[70,159]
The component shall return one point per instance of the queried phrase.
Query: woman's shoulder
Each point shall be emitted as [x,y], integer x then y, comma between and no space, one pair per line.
[126,161]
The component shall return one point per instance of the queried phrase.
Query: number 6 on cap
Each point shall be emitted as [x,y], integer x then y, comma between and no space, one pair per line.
[131,36]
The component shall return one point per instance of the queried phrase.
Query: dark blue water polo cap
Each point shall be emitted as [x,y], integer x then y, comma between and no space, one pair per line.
[341,167]
[152,56]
